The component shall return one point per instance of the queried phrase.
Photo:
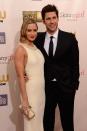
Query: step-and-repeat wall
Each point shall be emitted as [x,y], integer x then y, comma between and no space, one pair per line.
[72,18]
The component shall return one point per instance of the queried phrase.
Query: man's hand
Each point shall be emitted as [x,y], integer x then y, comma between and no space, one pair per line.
[26,77]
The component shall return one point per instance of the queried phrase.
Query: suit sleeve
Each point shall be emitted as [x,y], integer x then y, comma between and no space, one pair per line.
[75,62]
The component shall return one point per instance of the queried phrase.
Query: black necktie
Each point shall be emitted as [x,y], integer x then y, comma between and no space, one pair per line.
[51,47]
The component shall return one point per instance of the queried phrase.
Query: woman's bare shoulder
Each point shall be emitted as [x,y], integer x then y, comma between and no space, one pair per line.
[20,49]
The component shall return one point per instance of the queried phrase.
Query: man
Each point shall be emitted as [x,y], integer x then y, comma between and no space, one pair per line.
[61,70]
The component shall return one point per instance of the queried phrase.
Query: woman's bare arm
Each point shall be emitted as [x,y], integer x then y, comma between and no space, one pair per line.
[19,60]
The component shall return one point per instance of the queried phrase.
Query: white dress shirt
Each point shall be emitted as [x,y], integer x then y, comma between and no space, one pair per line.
[47,41]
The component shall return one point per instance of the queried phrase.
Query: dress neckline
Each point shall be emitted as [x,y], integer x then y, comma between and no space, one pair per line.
[30,46]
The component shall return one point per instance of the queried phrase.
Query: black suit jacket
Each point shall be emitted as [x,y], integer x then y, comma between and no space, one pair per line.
[65,63]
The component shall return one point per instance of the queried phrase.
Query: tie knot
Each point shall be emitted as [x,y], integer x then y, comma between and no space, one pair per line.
[51,37]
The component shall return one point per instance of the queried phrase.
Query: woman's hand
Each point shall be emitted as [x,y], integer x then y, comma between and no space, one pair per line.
[25,105]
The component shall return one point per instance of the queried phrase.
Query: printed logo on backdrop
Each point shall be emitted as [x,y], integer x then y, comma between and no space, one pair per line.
[5,59]
[4,78]
[36,15]
[83,73]
[2,38]
[72,16]
[3,100]
[2,15]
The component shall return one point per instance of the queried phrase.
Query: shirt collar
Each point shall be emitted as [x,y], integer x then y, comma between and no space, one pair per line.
[55,35]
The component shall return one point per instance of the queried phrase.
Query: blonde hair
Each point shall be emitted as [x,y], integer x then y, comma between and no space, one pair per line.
[24,26]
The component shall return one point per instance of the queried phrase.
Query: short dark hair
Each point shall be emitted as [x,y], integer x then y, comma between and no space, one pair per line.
[49,8]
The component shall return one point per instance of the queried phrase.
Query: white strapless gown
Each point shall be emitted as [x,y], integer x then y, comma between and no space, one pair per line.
[35,87]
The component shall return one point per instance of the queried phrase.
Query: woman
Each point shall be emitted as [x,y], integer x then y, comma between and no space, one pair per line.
[29,60]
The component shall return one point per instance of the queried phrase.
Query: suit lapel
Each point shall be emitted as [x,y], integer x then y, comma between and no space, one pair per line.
[42,40]
[58,43]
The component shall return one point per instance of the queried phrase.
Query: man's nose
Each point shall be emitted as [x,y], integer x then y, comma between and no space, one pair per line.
[52,21]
